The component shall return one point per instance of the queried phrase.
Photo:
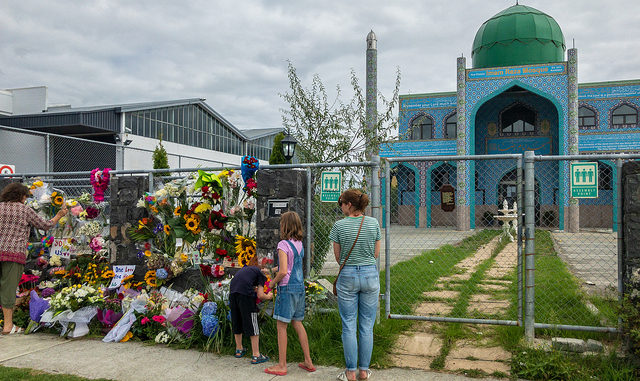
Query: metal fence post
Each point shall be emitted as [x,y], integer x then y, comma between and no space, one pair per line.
[375,206]
[620,235]
[307,258]
[151,187]
[47,163]
[387,236]
[529,217]
[519,233]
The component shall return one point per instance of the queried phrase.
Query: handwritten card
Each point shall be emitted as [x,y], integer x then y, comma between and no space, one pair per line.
[121,272]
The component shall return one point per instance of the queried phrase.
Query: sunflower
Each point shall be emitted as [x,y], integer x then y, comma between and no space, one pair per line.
[150,278]
[147,253]
[57,199]
[250,252]
[167,229]
[184,257]
[193,223]
[242,243]
[176,211]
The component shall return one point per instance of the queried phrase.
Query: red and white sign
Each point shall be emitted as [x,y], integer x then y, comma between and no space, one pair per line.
[7,169]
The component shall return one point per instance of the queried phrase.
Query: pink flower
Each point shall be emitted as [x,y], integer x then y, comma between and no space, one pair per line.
[159,319]
[145,320]
[76,210]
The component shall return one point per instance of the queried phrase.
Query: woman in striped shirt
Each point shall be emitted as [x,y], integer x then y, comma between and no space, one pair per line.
[358,238]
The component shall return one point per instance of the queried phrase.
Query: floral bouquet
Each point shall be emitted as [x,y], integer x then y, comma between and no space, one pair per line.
[74,307]
[314,293]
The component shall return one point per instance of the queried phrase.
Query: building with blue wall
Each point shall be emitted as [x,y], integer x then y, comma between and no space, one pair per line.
[521,94]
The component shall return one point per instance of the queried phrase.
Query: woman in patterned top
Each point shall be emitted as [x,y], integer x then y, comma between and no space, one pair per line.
[15,221]
[358,237]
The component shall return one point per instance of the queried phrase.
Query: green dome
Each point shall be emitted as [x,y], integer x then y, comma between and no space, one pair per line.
[519,35]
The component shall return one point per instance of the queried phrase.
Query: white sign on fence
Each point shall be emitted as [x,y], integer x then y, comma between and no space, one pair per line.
[121,272]
[61,248]
[7,169]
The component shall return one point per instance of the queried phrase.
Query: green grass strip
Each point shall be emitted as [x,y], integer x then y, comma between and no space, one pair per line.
[468,288]
[22,374]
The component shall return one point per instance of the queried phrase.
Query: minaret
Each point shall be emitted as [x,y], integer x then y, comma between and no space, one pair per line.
[372,90]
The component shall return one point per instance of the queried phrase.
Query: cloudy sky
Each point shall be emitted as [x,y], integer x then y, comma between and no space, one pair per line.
[234,53]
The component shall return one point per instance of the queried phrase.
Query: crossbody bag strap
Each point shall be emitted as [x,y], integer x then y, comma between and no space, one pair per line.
[352,246]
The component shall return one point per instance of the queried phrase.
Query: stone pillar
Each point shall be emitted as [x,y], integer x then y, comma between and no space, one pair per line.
[125,192]
[288,186]
[572,211]
[465,168]
[630,251]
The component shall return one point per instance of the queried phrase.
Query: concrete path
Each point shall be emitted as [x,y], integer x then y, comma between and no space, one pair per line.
[139,362]
[423,343]
[592,257]
[406,242]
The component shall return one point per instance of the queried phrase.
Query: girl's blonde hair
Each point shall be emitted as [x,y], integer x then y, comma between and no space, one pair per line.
[291,226]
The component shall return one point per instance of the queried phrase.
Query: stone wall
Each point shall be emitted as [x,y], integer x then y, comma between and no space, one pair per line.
[125,192]
[283,184]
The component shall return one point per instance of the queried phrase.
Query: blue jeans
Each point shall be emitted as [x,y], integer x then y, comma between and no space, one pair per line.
[358,290]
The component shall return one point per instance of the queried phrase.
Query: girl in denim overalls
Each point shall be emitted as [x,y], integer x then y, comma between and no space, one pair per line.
[289,306]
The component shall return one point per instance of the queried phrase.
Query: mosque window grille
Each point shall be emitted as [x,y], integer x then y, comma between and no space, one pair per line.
[518,119]
[624,116]
[451,126]
[421,128]
[587,118]
[444,174]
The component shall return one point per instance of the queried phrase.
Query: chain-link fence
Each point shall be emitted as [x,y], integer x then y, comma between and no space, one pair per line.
[445,260]
[40,152]
[446,253]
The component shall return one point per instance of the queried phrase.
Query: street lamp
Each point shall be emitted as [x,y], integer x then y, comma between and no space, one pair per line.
[289,147]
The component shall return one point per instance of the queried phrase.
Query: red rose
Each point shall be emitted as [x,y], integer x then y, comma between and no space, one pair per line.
[206,270]
[221,252]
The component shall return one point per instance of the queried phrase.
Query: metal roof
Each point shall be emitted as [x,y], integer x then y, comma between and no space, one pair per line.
[258,133]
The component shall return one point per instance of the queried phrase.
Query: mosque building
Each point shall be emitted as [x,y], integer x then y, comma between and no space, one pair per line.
[521,93]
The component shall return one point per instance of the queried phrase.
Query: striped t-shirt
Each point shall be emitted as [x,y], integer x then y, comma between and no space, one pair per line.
[344,232]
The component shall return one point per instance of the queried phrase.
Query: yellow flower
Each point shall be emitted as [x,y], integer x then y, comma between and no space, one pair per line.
[147,253]
[203,207]
[154,209]
[150,278]
[176,211]
[167,229]
[38,184]
[57,199]
[72,202]
[184,257]
[83,214]
[141,225]
[225,173]
[108,274]
[193,223]
[127,337]
[242,243]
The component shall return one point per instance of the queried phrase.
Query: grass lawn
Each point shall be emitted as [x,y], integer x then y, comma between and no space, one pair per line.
[25,374]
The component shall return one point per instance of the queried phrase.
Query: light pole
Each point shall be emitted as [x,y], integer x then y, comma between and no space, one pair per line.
[289,147]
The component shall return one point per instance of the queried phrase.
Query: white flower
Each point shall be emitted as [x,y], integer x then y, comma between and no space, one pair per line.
[55,261]
[140,203]
[249,203]
[161,193]
[230,227]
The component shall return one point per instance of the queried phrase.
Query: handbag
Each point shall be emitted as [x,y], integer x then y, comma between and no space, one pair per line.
[335,289]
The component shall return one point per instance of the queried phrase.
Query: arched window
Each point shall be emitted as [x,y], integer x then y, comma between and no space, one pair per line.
[586,118]
[444,174]
[623,116]
[518,119]
[451,125]
[422,128]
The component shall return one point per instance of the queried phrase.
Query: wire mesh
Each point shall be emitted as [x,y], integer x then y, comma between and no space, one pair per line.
[438,269]
[576,256]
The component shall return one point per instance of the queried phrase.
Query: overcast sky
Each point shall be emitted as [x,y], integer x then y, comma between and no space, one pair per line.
[234,53]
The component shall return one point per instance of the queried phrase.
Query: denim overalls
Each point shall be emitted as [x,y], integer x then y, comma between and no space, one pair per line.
[290,298]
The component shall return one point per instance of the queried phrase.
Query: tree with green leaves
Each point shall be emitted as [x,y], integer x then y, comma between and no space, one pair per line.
[160,159]
[334,131]
[277,154]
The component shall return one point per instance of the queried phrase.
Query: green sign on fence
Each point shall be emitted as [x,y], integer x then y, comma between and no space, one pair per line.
[331,186]
[584,180]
